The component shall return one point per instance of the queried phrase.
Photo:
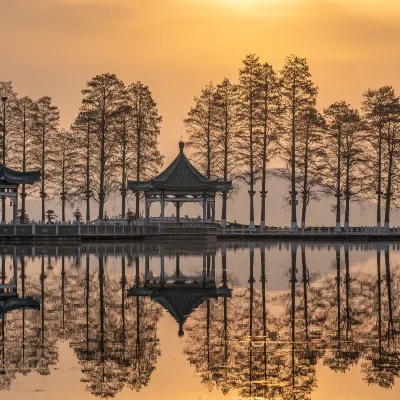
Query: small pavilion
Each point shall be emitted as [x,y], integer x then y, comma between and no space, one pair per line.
[9,182]
[180,183]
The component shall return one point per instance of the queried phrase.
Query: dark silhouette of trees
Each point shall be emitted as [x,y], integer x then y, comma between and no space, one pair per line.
[377,106]
[298,94]
[24,143]
[46,121]
[249,84]
[227,135]
[269,113]
[145,122]
[104,96]
[63,160]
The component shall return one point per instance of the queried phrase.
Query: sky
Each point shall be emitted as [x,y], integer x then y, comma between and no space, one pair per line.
[176,47]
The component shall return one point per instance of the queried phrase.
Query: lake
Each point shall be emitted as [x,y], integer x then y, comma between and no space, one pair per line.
[187,320]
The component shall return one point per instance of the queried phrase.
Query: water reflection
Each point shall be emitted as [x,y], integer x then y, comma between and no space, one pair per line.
[255,318]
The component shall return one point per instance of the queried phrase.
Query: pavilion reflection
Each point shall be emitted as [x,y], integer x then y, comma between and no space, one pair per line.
[249,339]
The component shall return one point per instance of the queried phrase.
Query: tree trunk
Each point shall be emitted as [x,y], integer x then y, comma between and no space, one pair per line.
[339,143]
[293,224]
[23,187]
[138,165]
[264,177]
[88,173]
[224,194]
[43,175]
[102,164]
[251,191]
[305,182]
[123,186]
[305,284]
[389,190]
[389,293]
[379,190]
[338,297]
[347,194]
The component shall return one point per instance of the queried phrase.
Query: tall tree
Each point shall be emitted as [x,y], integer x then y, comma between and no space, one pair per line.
[309,158]
[202,131]
[24,140]
[391,137]
[343,156]
[104,95]
[298,93]
[7,114]
[146,128]
[249,84]
[268,119]
[84,134]
[126,152]
[62,168]
[377,106]
[47,120]
[226,148]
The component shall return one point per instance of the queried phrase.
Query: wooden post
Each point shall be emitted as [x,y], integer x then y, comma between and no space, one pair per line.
[146,269]
[213,210]
[15,214]
[147,210]
[162,207]
[162,277]
[204,208]
[178,206]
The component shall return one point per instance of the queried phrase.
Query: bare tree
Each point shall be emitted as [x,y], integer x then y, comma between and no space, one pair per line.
[146,131]
[103,95]
[202,131]
[343,157]
[24,138]
[84,135]
[268,115]
[62,168]
[7,114]
[47,120]
[298,93]
[226,147]
[376,106]
[249,84]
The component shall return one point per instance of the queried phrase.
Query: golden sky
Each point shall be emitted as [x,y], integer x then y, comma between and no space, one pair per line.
[177,46]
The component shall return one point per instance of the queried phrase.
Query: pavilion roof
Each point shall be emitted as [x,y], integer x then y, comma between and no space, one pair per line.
[180,176]
[8,175]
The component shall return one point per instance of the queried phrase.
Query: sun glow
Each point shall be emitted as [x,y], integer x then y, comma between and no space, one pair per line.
[244,3]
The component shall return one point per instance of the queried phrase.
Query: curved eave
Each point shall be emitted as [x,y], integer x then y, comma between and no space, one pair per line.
[27,304]
[154,185]
[18,177]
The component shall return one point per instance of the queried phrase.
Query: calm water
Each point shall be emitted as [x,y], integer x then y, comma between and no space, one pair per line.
[218,321]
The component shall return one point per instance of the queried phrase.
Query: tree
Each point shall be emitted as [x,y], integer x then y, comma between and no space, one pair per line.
[46,125]
[298,93]
[8,99]
[268,120]
[343,149]
[376,106]
[126,152]
[249,86]
[226,146]
[24,140]
[308,163]
[83,129]
[62,162]
[391,137]
[104,96]
[146,130]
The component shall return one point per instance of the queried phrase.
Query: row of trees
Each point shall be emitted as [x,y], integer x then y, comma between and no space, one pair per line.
[237,129]
[115,135]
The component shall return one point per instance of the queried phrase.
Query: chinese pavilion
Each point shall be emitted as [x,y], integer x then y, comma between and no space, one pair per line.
[9,181]
[180,183]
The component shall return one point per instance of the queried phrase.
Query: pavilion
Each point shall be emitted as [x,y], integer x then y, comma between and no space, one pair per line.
[180,183]
[9,182]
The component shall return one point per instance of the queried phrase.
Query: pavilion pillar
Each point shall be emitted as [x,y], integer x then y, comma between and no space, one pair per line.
[15,202]
[204,208]
[178,207]
[162,207]
[162,271]
[213,210]
[147,210]
[146,269]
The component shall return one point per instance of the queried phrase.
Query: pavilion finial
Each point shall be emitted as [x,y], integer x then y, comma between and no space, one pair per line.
[181,146]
